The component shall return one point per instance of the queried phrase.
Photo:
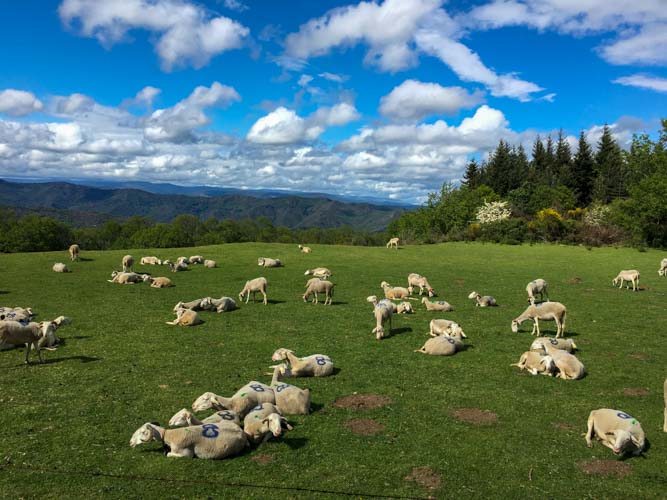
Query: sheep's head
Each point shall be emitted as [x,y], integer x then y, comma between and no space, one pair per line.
[144,434]
[48,329]
[183,417]
[372,299]
[515,326]
[384,284]
[114,274]
[623,442]
[473,295]
[548,365]
[204,402]
[260,261]
[457,332]
[431,292]
[411,289]
[146,278]
[379,333]
[281,354]
[661,272]
[277,424]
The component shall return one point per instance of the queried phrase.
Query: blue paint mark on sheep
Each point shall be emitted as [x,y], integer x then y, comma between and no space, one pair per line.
[210,431]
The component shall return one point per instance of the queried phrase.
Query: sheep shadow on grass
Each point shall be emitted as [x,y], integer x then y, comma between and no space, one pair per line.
[398,331]
[83,359]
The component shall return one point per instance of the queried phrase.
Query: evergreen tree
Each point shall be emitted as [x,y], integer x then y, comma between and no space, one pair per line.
[519,168]
[538,163]
[583,173]
[497,168]
[549,169]
[609,169]
[563,162]
[473,175]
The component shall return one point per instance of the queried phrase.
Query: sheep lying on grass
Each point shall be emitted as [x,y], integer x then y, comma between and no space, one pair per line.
[20,314]
[631,276]
[150,261]
[256,423]
[243,400]
[483,301]
[439,327]
[196,259]
[74,252]
[315,365]
[415,279]
[128,278]
[563,344]
[394,292]
[443,345]
[568,365]
[535,363]
[267,262]
[253,286]
[160,282]
[59,267]
[305,249]
[186,317]
[185,418]
[546,311]
[440,305]
[317,286]
[183,260]
[223,304]
[290,399]
[616,430]
[178,267]
[319,272]
[537,286]
[127,263]
[195,305]
[210,263]
[14,333]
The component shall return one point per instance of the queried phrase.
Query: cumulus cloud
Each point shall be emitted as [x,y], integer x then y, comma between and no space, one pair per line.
[644,82]
[19,102]
[144,97]
[187,34]
[646,47]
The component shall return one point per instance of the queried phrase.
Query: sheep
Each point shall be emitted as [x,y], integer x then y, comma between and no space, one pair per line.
[319,272]
[128,263]
[537,286]
[382,316]
[569,367]
[223,304]
[564,344]
[150,261]
[315,365]
[160,282]
[404,308]
[305,249]
[317,286]
[195,305]
[186,317]
[127,278]
[167,262]
[196,259]
[254,286]
[394,292]
[186,418]
[415,279]
[440,305]
[290,399]
[393,242]
[663,268]
[254,423]
[616,430]
[267,262]
[210,263]
[14,333]
[443,345]
[631,276]
[210,441]
[243,400]
[50,341]
[74,252]
[664,427]
[20,314]
[546,311]
[439,327]
[183,260]
[179,266]
[59,267]
[535,363]
[485,301]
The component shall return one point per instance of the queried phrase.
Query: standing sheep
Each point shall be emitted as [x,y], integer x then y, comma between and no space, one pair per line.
[305,249]
[317,286]
[74,252]
[440,305]
[616,430]
[393,242]
[254,286]
[382,316]
[663,268]
[128,263]
[537,286]
[59,267]
[14,333]
[485,301]
[631,276]
[546,311]
[415,279]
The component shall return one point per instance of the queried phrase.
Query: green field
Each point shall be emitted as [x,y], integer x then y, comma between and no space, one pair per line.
[66,424]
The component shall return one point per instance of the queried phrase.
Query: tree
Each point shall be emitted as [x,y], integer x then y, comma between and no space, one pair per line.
[498,167]
[609,169]
[583,173]
[539,161]
[473,175]
[563,160]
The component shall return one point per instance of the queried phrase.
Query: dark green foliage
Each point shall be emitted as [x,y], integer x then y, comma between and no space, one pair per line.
[610,172]
[473,175]
[583,173]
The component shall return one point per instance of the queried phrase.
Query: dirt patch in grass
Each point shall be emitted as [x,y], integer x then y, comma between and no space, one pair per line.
[459,281]
[163,386]
[642,357]
[574,281]
[606,468]
[364,426]
[640,391]
[216,344]
[564,426]
[362,401]
[475,416]
[262,459]
[425,476]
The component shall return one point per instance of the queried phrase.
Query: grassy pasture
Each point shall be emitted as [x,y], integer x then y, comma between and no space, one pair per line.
[120,365]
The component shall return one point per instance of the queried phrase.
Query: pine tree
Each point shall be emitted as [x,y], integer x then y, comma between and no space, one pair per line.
[497,168]
[583,172]
[563,167]
[609,169]
[472,176]
[548,176]
[538,163]
[519,168]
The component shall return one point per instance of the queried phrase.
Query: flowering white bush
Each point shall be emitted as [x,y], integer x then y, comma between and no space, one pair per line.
[493,212]
[596,215]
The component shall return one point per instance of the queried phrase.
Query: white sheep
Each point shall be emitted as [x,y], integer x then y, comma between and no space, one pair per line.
[178,267]
[319,272]
[210,263]
[393,242]
[14,333]
[569,366]
[440,305]
[443,345]
[415,279]
[183,260]
[243,400]
[186,418]
[616,430]
[305,249]
[394,292]
[150,261]
[195,305]
[382,315]
[186,317]
[439,327]
[535,363]
[631,276]
[20,314]
[315,365]
[537,286]
[267,262]
[128,263]
[483,301]
[196,259]
[563,344]
[209,441]
[223,304]
[546,311]
[59,267]
[264,422]
[317,286]
[128,278]
[74,252]
[254,286]
[290,399]
[663,268]
[160,282]
[404,308]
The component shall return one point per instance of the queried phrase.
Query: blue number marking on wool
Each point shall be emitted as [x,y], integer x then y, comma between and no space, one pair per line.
[281,387]
[226,416]
[257,388]
[624,415]
[258,408]
[450,340]
[210,431]
[553,342]
[321,360]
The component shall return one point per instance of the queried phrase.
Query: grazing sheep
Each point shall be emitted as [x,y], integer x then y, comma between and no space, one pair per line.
[439,327]
[223,304]
[315,365]
[415,279]
[317,286]
[546,311]
[535,363]
[537,286]
[160,282]
[243,400]
[440,305]
[616,430]
[196,259]
[209,441]
[186,317]
[394,292]
[443,345]
[186,418]
[319,272]
[264,422]
[253,286]
[290,399]
[485,301]
[393,242]
[563,344]
[128,278]
[74,252]
[382,316]
[59,267]
[178,267]
[14,333]
[128,263]
[663,268]
[305,249]
[210,263]
[631,276]
[569,367]
[267,262]
[195,305]
[150,261]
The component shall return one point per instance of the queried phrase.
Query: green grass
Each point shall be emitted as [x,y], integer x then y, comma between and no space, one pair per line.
[121,366]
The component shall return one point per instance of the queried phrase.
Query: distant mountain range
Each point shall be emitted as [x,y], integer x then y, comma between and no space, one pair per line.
[83,205]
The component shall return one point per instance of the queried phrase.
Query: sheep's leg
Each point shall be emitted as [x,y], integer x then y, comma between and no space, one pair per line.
[39,352]
[27,353]
[264,293]
[184,453]
[589,432]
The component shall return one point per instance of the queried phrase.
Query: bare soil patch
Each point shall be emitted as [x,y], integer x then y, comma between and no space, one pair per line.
[364,426]
[606,468]
[425,476]
[574,281]
[216,344]
[475,416]
[262,459]
[639,391]
[459,281]
[642,357]
[362,401]
[564,426]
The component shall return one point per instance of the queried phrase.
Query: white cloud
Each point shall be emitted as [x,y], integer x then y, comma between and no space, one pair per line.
[235,5]
[304,80]
[644,82]
[647,47]
[19,102]
[414,100]
[144,97]
[333,77]
[187,34]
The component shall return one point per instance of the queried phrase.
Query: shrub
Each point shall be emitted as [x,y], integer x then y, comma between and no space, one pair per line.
[494,211]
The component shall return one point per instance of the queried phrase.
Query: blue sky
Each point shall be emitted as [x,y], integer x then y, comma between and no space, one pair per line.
[386,98]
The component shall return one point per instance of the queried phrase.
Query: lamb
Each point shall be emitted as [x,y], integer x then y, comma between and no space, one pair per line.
[415,279]
[74,252]
[382,316]
[663,268]
[243,400]
[195,305]
[563,344]
[535,363]
[186,418]
[537,286]
[631,276]
[223,304]
[317,286]
[393,242]
[394,292]
[616,430]
[254,286]
[196,259]
[569,367]
[186,317]
[305,249]
[179,266]
[443,345]
[14,333]
[290,399]
[210,441]
[128,278]
[315,365]
[128,263]
[59,267]
[546,311]
[263,422]
[319,272]
[440,305]
[210,263]
[439,327]
[485,301]
[150,261]
[267,262]
[160,282]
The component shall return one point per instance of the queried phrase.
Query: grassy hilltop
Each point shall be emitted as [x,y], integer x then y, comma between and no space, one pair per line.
[120,365]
